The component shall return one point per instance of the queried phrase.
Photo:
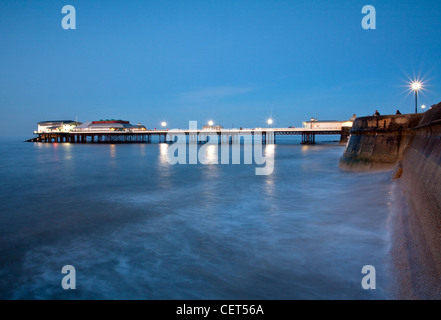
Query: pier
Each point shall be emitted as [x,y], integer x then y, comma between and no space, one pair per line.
[201,136]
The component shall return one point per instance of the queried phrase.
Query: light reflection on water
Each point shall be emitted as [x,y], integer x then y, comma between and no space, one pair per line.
[112,151]
[136,227]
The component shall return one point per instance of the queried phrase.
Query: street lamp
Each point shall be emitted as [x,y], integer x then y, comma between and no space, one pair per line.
[163,124]
[423,106]
[210,123]
[416,86]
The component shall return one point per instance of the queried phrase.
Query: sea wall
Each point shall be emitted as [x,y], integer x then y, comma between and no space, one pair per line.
[421,161]
[411,144]
[378,141]
[420,223]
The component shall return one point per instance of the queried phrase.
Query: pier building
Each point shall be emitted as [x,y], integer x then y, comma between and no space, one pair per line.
[56,126]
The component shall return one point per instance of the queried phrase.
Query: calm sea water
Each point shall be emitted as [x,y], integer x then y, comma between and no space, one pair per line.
[135,227]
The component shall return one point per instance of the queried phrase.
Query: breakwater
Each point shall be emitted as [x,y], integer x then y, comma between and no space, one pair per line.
[411,144]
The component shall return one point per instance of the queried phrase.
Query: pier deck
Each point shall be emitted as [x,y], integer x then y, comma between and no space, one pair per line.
[145,136]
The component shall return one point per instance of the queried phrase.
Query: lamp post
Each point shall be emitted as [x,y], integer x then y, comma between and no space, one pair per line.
[416,86]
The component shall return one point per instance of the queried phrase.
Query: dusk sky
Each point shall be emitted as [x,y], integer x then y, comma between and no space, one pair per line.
[232,61]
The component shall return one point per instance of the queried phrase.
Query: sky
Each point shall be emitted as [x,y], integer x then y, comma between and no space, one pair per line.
[236,62]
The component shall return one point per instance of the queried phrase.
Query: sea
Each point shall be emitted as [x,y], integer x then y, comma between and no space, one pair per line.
[133,226]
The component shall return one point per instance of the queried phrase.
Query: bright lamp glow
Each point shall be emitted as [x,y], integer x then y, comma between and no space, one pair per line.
[163,123]
[423,106]
[416,85]
[210,123]
[270,121]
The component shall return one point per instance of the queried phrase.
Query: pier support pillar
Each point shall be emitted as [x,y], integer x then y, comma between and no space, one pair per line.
[308,138]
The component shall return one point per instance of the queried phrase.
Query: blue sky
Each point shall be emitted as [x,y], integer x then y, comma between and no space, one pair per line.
[235,62]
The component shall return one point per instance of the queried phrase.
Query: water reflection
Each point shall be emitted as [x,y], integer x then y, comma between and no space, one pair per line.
[67,148]
[305,148]
[270,153]
[163,147]
[113,151]
[270,150]
[211,154]
[164,166]
[142,150]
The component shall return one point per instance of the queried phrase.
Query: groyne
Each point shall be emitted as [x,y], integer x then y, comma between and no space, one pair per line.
[411,145]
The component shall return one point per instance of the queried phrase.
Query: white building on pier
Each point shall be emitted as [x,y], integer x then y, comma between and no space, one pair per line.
[56,126]
[328,124]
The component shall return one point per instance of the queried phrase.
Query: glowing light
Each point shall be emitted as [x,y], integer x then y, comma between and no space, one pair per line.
[210,123]
[423,106]
[270,121]
[164,124]
[417,85]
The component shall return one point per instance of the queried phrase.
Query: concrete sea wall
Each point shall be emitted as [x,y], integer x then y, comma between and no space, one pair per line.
[378,141]
[412,145]
[421,161]
[420,223]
